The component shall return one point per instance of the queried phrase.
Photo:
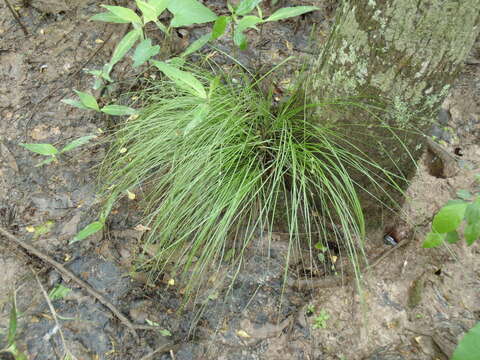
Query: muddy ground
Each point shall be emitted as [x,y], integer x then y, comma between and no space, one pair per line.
[416,302]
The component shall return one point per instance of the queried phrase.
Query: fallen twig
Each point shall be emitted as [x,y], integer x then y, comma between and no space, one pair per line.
[17,18]
[161,349]
[380,258]
[55,317]
[67,274]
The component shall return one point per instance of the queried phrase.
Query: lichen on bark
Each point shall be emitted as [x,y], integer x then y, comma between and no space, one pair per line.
[407,49]
[402,55]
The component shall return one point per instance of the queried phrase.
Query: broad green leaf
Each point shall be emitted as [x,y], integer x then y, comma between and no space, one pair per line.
[42,149]
[464,194]
[88,230]
[246,6]
[287,12]
[118,110]
[12,325]
[77,142]
[469,347]
[151,323]
[433,240]
[75,103]
[449,218]
[124,13]
[183,79]
[58,292]
[144,52]
[109,17]
[472,233]
[177,62]
[248,22]
[160,5]
[149,11]
[472,212]
[165,332]
[452,237]
[44,228]
[87,100]
[220,26]
[197,45]
[240,39]
[200,114]
[124,46]
[188,12]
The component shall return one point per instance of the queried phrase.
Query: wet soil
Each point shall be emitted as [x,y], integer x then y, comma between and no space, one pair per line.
[414,303]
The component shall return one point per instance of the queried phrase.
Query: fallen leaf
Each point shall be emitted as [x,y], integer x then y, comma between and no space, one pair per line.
[142,228]
[131,195]
[243,334]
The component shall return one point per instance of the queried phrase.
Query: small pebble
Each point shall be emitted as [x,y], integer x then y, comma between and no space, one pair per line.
[389,240]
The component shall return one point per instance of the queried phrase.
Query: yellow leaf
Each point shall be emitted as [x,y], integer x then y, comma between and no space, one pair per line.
[243,334]
[99,41]
[131,195]
[30,229]
[142,228]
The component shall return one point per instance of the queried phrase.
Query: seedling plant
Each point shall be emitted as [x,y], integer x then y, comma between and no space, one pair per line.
[320,321]
[445,225]
[11,346]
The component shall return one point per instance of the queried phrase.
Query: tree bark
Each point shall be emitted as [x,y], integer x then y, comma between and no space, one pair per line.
[401,54]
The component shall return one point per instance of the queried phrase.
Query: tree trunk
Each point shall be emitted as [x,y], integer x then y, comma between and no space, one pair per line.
[402,54]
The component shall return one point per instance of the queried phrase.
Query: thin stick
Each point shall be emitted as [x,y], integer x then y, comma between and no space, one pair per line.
[160,350]
[67,274]
[15,15]
[55,317]
[387,253]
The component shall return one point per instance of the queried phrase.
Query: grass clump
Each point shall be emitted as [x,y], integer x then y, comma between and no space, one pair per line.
[215,172]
